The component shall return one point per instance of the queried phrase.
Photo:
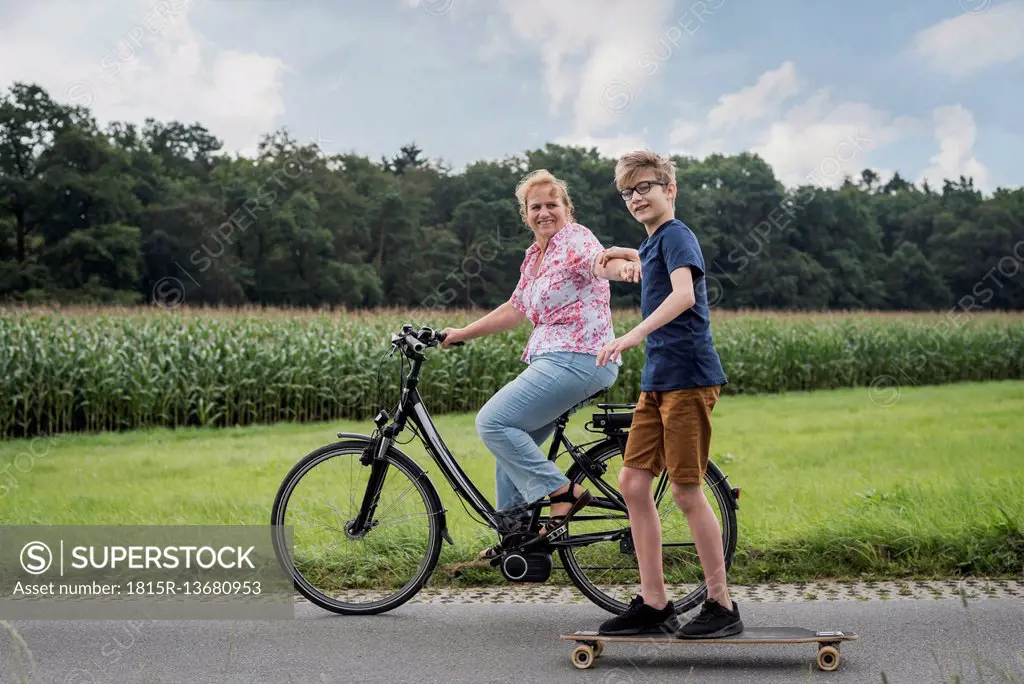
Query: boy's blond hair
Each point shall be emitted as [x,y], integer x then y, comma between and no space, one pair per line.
[633,164]
[543,177]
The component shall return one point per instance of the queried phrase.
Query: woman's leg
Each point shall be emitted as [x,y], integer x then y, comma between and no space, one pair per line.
[505,490]
[508,497]
[553,384]
[601,378]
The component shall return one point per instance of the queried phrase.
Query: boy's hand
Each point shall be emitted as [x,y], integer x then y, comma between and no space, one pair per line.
[618,253]
[630,272]
[613,350]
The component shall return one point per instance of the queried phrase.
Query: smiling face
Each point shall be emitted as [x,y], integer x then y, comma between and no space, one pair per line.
[545,211]
[647,184]
[652,202]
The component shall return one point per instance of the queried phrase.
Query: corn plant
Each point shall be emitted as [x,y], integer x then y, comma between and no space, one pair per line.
[101,370]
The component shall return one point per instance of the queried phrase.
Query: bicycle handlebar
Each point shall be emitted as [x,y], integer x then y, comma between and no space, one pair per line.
[414,343]
[418,340]
[441,337]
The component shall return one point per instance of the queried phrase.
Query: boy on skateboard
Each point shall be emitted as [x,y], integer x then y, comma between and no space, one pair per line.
[679,386]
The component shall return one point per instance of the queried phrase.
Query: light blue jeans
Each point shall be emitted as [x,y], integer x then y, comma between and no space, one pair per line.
[522,414]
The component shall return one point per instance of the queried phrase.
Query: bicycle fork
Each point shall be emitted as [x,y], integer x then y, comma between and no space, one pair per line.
[374,457]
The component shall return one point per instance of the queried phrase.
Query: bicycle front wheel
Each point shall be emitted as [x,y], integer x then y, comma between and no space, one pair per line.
[362,573]
[606,571]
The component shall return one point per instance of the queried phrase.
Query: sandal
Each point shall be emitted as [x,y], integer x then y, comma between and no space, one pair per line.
[560,523]
[491,552]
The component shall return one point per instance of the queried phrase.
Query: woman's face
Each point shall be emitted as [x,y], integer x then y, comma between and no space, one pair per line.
[545,212]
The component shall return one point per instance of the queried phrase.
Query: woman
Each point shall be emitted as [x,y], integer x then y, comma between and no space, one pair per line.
[563,289]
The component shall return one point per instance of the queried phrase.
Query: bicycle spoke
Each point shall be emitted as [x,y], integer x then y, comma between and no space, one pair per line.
[406,517]
[411,487]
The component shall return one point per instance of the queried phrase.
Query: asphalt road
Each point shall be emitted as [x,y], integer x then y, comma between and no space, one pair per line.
[910,641]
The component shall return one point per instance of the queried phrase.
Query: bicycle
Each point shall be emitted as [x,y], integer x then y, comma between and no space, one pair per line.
[398,562]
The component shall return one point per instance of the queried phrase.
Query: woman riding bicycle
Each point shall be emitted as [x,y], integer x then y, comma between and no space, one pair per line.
[565,294]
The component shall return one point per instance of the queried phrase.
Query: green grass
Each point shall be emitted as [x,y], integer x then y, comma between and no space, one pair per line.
[833,485]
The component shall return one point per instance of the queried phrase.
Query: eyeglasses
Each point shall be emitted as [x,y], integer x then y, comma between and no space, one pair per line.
[643,188]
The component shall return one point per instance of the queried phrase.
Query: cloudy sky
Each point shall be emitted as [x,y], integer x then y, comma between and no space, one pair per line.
[931,88]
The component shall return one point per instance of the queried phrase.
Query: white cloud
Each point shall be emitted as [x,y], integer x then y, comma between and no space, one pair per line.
[969,43]
[609,146]
[955,132]
[820,142]
[682,131]
[588,48]
[816,141]
[761,99]
[153,64]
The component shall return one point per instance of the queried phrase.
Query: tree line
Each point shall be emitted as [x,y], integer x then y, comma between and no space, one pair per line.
[128,214]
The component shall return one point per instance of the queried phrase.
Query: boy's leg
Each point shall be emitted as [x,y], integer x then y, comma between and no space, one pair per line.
[707,536]
[687,415]
[645,525]
[643,460]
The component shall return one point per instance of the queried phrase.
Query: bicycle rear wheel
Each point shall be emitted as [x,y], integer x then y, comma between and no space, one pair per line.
[361,574]
[606,571]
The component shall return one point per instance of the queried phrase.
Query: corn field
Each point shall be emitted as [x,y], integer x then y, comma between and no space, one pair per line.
[105,370]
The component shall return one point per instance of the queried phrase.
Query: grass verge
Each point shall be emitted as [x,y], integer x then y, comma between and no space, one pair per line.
[834,485]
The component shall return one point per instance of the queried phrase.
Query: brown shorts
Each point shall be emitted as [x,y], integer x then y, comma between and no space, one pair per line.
[672,429]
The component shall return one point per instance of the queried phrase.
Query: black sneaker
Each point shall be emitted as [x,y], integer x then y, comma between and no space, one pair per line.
[713,622]
[640,618]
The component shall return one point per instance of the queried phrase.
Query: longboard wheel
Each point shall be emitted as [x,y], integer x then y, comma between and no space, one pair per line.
[828,658]
[583,657]
[598,649]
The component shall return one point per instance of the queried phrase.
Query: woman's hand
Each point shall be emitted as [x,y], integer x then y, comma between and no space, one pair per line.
[630,272]
[618,253]
[453,335]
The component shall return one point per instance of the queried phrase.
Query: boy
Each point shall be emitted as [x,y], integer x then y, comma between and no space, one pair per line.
[679,386]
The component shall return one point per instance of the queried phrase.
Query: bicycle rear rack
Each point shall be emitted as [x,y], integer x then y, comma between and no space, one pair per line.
[615,419]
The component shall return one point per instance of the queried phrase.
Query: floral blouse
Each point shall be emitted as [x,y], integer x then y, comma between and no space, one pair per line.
[569,306]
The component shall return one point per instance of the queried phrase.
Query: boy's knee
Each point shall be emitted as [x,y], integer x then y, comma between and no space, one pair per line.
[634,482]
[688,496]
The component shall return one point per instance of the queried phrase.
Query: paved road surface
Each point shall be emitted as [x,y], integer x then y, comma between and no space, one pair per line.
[911,641]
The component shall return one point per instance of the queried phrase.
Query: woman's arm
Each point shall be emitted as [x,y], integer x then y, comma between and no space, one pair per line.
[503,318]
[625,270]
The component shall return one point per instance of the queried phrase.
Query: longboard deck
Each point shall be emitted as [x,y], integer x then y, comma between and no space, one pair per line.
[591,643]
[751,635]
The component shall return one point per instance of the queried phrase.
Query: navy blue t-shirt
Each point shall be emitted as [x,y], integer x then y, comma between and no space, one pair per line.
[681,353]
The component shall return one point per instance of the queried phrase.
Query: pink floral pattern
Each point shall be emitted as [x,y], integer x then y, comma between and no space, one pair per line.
[569,306]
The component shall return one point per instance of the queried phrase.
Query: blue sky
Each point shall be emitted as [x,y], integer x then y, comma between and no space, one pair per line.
[930,89]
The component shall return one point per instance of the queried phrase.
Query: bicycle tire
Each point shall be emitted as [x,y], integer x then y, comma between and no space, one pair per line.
[423,486]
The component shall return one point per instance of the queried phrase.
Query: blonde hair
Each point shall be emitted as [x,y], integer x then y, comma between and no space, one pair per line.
[538,178]
[633,164]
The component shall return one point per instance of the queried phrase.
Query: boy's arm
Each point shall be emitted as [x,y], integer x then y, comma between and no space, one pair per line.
[627,253]
[681,299]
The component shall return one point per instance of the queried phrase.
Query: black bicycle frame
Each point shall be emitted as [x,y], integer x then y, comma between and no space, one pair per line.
[411,407]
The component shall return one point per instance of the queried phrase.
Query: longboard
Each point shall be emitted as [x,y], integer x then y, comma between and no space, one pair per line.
[592,644]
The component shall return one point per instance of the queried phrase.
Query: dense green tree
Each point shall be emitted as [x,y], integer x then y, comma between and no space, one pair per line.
[115,214]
